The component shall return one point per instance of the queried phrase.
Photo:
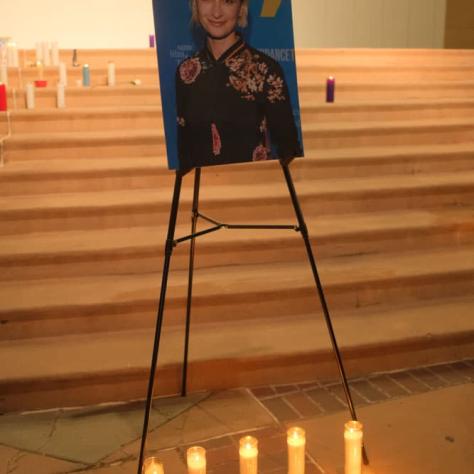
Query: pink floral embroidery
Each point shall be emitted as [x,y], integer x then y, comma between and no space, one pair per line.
[216,140]
[275,93]
[190,70]
[181,121]
[260,153]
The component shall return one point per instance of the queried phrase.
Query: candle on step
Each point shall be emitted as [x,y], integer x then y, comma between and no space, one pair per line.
[46,54]
[39,52]
[248,452]
[151,41]
[63,74]
[296,439]
[61,96]
[196,457]
[330,89]
[86,76]
[40,68]
[12,54]
[55,53]
[4,74]
[30,96]
[152,466]
[353,435]
[111,74]
[3,98]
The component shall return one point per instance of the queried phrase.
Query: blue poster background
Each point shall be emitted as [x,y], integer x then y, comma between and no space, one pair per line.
[177,38]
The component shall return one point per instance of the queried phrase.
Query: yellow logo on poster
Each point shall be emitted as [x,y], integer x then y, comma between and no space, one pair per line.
[270,8]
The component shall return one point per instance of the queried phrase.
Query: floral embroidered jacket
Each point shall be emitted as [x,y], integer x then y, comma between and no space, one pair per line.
[229,109]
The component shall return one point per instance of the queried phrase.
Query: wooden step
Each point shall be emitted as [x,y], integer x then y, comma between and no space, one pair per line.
[87,119]
[74,175]
[140,249]
[90,369]
[144,207]
[389,111]
[109,144]
[234,292]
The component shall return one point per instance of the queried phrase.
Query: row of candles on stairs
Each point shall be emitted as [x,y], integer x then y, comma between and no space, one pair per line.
[248,453]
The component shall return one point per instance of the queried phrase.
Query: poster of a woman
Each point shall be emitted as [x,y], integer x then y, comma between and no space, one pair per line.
[232,102]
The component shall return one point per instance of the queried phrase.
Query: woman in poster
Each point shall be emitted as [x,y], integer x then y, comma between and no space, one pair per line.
[232,100]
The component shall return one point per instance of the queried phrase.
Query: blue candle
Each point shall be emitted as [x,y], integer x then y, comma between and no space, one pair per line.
[86,76]
[330,89]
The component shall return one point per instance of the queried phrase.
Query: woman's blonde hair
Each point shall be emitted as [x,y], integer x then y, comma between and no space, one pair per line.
[243,16]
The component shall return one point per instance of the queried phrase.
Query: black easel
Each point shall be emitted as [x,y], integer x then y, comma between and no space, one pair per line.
[171,243]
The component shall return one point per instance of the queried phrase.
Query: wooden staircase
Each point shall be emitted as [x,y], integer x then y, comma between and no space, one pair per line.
[387,187]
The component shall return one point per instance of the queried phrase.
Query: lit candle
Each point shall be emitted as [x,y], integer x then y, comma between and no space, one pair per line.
[353,447]
[196,457]
[248,455]
[55,53]
[12,54]
[152,466]
[111,74]
[30,96]
[151,41]
[39,65]
[39,52]
[46,55]
[296,440]
[86,76]
[63,74]
[61,96]
[3,98]
[330,89]
[4,74]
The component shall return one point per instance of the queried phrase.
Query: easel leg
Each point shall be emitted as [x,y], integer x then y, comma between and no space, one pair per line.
[322,298]
[159,318]
[194,219]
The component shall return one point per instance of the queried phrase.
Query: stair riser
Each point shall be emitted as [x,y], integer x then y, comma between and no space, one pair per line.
[307,168]
[272,304]
[375,115]
[139,147]
[283,249]
[388,137]
[387,76]
[232,211]
[98,77]
[132,121]
[348,93]
[228,373]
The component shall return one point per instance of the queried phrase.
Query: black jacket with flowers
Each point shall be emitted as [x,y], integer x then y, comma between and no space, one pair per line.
[231,108]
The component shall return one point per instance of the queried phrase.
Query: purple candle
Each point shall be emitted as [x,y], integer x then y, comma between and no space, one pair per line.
[151,41]
[330,89]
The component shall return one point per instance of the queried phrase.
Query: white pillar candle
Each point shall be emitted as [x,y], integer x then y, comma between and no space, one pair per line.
[61,96]
[152,466]
[63,74]
[4,74]
[248,452]
[12,54]
[296,439]
[196,457]
[46,55]
[39,52]
[353,435]
[30,96]
[55,53]
[111,74]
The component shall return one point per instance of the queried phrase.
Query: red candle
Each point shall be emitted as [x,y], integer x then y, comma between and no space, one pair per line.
[3,98]
[330,89]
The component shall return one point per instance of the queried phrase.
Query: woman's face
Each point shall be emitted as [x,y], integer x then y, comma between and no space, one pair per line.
[218,17]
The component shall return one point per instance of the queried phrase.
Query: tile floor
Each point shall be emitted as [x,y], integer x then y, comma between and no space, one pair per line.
[417,421]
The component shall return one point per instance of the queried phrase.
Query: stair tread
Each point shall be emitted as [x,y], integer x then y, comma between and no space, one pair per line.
[233,279]
[242,193]
[40,167]
[83,355]
[102,240]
